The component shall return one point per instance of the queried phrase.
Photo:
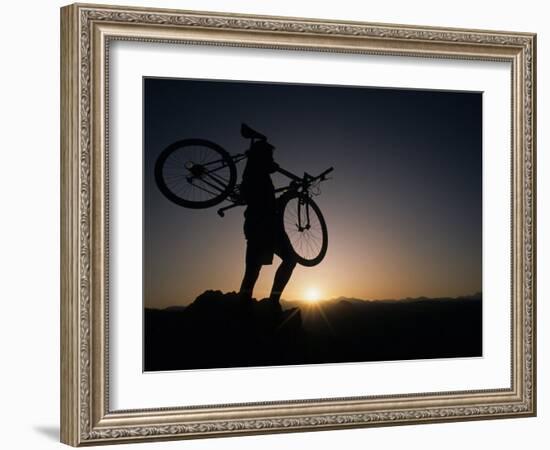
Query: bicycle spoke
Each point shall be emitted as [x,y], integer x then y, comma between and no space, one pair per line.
[308,243]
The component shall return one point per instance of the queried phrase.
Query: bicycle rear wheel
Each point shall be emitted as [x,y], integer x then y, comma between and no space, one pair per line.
[195,173]
[305,227]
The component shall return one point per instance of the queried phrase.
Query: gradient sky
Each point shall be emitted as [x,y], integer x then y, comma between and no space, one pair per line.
[403,207]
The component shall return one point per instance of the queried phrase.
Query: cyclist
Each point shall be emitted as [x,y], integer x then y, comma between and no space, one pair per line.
[263,228]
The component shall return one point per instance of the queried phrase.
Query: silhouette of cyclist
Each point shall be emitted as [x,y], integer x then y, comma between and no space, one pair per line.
[263,229]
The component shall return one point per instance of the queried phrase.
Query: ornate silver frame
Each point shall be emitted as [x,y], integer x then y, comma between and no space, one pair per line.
[86,31]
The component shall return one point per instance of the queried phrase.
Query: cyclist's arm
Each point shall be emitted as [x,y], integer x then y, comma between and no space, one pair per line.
[281,189]
[288,174]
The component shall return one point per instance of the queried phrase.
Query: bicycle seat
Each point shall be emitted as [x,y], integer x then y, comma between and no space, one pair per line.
[249,133]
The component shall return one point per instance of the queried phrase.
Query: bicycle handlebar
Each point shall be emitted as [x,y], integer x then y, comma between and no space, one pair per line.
[288,174]
[325,173]
[297,178]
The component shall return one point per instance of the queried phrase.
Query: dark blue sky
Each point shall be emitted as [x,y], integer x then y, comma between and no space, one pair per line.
[404,207]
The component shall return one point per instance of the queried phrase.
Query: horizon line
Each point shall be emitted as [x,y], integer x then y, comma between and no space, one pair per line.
[475,295]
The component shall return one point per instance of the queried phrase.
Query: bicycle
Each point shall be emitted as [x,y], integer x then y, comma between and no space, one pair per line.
[198,173]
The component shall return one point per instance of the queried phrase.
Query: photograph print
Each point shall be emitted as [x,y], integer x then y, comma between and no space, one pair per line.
[290,224]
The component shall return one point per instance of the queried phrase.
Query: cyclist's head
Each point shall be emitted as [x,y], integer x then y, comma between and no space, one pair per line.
[262,146]
[260,154]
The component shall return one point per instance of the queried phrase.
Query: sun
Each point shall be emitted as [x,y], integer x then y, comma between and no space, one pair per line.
[312,295]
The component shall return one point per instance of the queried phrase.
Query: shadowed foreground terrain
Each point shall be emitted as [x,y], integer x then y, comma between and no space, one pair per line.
[216,331]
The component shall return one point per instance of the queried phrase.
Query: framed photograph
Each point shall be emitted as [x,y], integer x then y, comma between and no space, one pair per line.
[274,224]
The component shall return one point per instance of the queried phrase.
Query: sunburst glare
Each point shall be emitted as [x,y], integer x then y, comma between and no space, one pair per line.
[312,295]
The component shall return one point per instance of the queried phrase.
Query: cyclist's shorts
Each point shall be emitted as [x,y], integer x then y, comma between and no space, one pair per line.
[260,249]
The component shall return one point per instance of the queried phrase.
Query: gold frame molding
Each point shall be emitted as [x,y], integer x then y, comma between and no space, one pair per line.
[86,31]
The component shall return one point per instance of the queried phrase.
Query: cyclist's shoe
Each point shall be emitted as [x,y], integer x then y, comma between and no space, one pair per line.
[245,300]
[275,305]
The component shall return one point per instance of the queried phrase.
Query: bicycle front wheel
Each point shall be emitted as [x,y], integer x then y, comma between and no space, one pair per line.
[305,227]
[195,173]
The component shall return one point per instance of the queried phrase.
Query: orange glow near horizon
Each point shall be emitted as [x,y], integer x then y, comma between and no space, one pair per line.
[339,275]
[312,295]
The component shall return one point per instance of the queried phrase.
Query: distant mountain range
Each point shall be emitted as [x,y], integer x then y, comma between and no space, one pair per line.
[302,303]
[475,296]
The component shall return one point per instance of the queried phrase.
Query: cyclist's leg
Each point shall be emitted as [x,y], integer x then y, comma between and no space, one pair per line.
[284,250]
[252,270]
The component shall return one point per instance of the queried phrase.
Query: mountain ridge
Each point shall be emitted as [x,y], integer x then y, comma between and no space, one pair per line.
[297,303]
[218,331]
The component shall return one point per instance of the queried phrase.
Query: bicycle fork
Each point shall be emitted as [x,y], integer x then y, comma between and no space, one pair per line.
[303,203]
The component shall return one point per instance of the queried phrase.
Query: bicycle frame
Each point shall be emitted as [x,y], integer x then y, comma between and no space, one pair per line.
[214,181]
[297,184]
